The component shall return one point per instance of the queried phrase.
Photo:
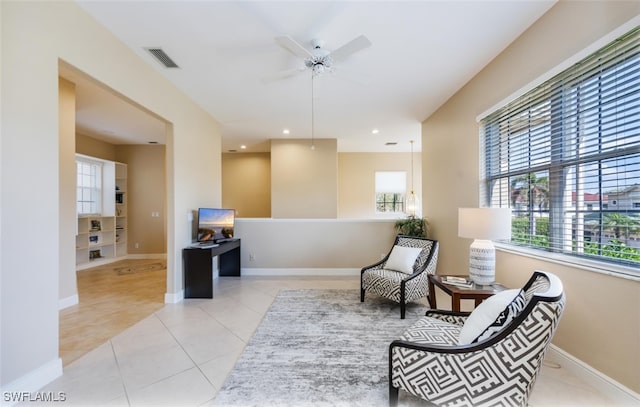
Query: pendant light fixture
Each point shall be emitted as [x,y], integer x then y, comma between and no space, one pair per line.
[412,198]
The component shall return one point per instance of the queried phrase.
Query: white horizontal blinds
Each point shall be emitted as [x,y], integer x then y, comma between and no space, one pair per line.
[565,157]
[391,181]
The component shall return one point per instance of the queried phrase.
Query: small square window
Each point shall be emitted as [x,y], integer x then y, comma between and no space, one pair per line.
[391,188]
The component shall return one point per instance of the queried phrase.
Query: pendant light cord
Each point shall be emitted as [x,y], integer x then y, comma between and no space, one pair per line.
[312,114]
[411,167]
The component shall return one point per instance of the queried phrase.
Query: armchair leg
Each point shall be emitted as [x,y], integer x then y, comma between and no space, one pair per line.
[403,308]
[393,396]
[362,295]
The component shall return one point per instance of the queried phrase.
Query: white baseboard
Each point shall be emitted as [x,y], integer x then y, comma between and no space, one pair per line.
[67,302]
[299,272]
[612,389]
[173,298]
[34,380]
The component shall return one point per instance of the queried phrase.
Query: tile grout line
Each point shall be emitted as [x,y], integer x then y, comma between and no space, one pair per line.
[124,386]
[186,353]
[263,314]
[164,378]
[228,328]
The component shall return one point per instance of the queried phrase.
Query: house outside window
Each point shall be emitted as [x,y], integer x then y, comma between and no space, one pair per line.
[391,188]
[88,187]
[565,157]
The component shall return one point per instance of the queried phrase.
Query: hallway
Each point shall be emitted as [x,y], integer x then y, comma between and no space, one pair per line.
[112,298]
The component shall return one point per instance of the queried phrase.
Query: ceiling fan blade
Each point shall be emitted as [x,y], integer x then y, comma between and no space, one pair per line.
[292,46]
[284,74]
[355,45]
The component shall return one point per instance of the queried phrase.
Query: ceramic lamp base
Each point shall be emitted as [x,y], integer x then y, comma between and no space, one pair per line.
[482,262]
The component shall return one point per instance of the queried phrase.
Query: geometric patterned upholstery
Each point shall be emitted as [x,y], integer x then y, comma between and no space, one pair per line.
[397,286]
[432,331]
[500,370]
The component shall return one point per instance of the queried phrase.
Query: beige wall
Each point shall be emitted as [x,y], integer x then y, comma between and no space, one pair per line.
[246,181]
[356,180]
[304,182]
[95,148]
[146,194]
[601,325]
[246,184]
[35,37]
[296,244]
[67,150]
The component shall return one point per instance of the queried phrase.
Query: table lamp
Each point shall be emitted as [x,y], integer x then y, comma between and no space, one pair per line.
[483,225]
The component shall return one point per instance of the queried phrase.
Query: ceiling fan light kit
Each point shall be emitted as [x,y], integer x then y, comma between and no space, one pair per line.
[318,59]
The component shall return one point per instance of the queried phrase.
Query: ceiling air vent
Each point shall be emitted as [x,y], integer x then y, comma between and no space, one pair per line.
[162,57]
[390,143]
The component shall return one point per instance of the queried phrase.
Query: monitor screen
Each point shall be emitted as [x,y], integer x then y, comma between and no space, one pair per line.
[215,224]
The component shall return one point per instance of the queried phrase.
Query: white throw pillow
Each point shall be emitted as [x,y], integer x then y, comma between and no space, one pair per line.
[489,312]
[402,259]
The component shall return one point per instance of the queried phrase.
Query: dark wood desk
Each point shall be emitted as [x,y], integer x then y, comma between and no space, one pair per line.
[478,293]
[198,267]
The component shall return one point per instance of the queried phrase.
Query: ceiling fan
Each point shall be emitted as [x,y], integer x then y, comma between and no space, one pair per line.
[318,59]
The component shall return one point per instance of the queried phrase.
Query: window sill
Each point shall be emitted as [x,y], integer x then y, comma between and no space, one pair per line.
[613,270]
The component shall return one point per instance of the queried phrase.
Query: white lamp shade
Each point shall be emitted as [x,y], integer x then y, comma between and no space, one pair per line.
[484,223]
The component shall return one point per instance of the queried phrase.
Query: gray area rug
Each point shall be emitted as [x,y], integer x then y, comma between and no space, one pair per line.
[319,348]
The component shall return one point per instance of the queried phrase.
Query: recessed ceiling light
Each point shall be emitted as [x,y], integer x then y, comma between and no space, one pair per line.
[243,147]
[285,131]
[375,131]
[391,143]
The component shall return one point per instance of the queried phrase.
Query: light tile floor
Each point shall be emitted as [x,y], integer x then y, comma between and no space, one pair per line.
[181,355]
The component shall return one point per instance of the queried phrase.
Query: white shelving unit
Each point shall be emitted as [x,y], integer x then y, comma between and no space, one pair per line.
[103,238]
[121,210]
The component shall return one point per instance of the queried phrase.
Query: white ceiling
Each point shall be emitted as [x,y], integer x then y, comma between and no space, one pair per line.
[422,52]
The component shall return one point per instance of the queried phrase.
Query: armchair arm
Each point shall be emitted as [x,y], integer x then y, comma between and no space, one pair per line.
[374,266]
[456,318]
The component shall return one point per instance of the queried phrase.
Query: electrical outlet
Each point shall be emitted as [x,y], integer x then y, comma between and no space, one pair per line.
[137,245]
[251,258]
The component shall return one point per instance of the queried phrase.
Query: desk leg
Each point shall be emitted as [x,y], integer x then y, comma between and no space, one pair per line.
[455,302]
[432,295]
[229,263]
[198,275]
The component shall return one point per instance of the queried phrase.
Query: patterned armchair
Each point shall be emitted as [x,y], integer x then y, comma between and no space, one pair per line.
[402,287]
[499,368]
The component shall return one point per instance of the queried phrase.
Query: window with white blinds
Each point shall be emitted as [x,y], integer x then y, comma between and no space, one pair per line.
[88,187]
[565,157]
